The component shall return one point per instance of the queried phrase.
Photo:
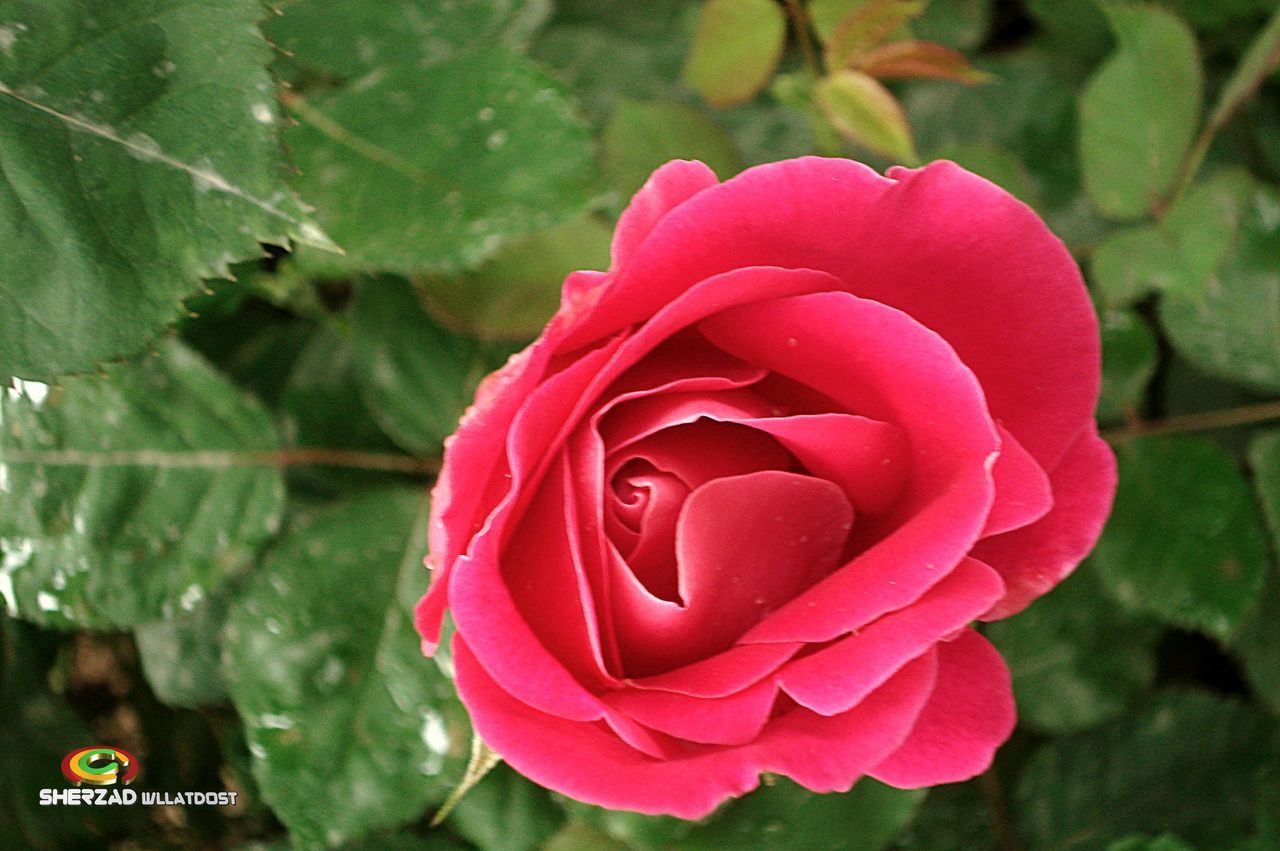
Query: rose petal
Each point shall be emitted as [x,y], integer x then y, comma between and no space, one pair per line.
[1033,559]
[829,753]
[707,449]
[838,677]
[676,365]
[667,188]
[542,568]
[551,410]
[871,356]
[823,753]
[1023,492]
[722,674]
[642,417]
[561,402]
[744,545]
[653,560]
[949,248]
[869,459]
[475,452]
[732,720]
[512,652]
[476,447]
[968,716]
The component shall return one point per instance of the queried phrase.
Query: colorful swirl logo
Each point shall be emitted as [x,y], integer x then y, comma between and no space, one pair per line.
[100,766]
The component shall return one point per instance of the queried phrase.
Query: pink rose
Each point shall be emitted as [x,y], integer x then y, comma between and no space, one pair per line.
[734,511]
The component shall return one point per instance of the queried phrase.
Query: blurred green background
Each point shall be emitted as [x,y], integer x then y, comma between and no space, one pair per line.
[217,428]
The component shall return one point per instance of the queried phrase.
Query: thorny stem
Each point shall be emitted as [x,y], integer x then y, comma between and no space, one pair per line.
[801,24]
[1245,415]
[217,459]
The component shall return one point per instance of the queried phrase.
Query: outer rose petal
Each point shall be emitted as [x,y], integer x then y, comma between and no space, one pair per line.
[1023,491]
[590,763]
[968,716]
[733,720]
[476,446]
[1035,558]
[957,253]
[512,411]
[667,188]
[836,677]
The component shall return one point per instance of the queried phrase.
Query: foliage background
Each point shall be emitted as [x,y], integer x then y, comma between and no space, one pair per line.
[217,430]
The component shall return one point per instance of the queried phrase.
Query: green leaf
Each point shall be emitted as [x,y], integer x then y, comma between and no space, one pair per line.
[869,25]
[513,295]
[1204,225]
[1220,13]
[786,816]
[1264,458]
[864,112]
[1262,57]
[634,830]
[321,406]
[956,815]
[1129,356]
[351,729]
[506,812]
[181,655]
[962,24]
[134,161]
[1131,263]
[1139,112]
[1076,658]
[1027,109]
[1230,330]
[1183,252]
[579,836]
[735,50]
[132,495]
[607,51]
[1184,542]
[765,130]
[1188,763]
[431,169]
[826,15]
[1258,642]
[415,376]
[1163,842]
[255,345]
[347,38]
[642,136]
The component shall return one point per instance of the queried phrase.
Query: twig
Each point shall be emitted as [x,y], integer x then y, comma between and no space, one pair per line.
[1245,415]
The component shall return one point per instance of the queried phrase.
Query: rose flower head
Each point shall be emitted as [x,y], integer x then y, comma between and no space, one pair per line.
[736,509]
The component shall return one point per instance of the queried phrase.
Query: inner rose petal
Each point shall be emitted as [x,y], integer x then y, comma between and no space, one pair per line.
[908,371]
[745,545]
[658,498]
[650,479]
